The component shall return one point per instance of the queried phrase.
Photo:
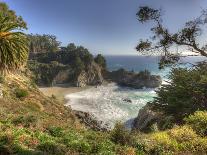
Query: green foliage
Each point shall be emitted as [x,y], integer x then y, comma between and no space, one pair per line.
[51,148]
[45,73]
[43,43]
[99,59]
[78,65]
[185,94]
[14,47]
[47,65]
[17,20]
[56,140]
[163,40]
[121,135]
[55,131]
[198,121]
[66,56]
[181,139]
[21,93]
[26,121]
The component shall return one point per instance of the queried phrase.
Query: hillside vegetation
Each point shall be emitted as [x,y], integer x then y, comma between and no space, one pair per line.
[34,124]
[66,64]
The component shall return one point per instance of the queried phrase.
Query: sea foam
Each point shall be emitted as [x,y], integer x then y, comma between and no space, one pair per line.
[111,103]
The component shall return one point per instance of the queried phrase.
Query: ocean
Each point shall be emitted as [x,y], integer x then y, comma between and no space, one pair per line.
[108,103]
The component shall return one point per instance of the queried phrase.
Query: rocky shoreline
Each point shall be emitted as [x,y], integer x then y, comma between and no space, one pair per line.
[123,78]
[90,122]
[140,80]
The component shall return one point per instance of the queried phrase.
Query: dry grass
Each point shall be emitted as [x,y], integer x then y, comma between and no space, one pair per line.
[48,110]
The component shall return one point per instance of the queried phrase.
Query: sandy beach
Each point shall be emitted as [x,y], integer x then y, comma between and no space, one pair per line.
[59,91]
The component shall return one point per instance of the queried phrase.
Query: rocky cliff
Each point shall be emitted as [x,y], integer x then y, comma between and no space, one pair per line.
[90,76]
[56,73]
[134,80]
[145,119]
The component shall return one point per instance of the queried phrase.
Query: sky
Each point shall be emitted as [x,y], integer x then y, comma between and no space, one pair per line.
[109,27]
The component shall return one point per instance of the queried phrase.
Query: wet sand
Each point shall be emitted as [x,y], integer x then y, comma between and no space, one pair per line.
[60,91]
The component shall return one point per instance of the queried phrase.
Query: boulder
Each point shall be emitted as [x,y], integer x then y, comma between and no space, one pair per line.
[127,100]
[89,121]
[145,119]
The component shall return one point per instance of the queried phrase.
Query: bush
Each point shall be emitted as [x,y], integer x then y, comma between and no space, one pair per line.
[121,135]
[52,148]
[106,147]
[21,93]
[198,121]
[26,121]
[55,131]
[126,151]
[160,142]
[183,134]
[180,139]
[81,146]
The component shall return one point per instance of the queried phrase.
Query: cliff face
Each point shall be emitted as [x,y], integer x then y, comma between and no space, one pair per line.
[145,119]
[134,80]
[90,76]
[55,73]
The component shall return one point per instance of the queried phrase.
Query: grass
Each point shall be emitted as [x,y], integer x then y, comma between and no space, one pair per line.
[21,93]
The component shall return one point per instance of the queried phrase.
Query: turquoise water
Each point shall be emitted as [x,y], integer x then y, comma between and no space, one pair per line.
[108,103]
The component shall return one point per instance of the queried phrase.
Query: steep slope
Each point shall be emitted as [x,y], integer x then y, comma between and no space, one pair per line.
[21,98]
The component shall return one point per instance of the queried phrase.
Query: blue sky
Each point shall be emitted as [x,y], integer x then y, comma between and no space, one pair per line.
[109,27]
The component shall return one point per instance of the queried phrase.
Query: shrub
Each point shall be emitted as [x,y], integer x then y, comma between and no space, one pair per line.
[167,123]
[21,93]
[198,121]
[55,131]
[126,151]
[105,147]
[26,121]
[182,134]
[52,148]
[80,146]
[121,135]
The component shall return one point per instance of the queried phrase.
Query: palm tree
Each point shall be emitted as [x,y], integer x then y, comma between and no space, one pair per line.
[13,46]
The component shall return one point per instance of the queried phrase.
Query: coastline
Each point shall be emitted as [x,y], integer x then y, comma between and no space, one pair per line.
[60,91]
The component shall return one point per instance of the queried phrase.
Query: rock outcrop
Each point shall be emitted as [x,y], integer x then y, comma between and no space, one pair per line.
[89,121]
[91,76]
[62,77]
[134,80]
[145,119]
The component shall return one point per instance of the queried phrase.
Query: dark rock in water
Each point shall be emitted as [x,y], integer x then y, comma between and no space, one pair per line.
[127,100]
[134,80]
[145,119]
[89,121]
